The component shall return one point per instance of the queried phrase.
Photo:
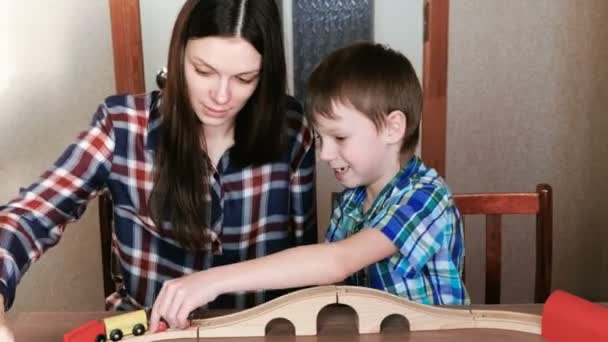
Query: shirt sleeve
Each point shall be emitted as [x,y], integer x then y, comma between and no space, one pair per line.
[35,220]
[416,225]
[303,213]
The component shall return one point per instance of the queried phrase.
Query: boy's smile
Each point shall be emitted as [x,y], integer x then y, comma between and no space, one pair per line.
[340,172]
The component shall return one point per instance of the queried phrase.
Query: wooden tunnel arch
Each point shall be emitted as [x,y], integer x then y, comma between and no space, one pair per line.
[302,307]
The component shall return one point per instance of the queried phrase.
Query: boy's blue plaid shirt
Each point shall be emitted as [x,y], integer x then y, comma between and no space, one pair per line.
[417,213]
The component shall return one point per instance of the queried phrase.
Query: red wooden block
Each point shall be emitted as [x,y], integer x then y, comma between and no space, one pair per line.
[87,332]
[567,318]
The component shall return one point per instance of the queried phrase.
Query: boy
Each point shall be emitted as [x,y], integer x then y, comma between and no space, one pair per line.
[396,221]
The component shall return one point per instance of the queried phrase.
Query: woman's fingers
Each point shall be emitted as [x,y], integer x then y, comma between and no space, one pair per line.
[155,315]
[177,298]
[6,334]
[173,305]
[160,307]
[183,315]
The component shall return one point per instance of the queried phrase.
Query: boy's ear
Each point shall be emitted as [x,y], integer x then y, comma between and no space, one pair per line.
[395,126]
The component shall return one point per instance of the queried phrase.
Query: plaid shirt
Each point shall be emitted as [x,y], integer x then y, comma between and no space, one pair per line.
[417,213]
[255,210]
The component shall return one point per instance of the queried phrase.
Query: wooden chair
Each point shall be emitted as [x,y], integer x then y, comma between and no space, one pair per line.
[494,205]
[106,220]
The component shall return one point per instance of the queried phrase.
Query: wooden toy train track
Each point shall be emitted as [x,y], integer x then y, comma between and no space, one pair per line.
[302,307]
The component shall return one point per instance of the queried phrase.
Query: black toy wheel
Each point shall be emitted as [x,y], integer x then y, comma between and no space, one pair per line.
[100,338]
[139,329]
[116,335]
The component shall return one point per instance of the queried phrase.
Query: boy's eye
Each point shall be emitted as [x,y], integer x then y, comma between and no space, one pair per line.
[340,138]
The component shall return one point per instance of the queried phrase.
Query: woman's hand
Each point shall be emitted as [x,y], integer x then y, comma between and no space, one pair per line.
[6,334]
[179,297]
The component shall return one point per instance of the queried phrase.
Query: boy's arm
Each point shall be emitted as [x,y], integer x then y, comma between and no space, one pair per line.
[307,265]
[295,267]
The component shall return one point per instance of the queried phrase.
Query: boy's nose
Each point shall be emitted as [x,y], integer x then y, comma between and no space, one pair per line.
[326,153]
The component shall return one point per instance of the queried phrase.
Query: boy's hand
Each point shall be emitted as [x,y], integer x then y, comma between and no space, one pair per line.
[6,334]
[179,297]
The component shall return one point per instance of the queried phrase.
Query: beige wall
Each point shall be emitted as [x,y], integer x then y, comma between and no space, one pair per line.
[56,60]
[527,99]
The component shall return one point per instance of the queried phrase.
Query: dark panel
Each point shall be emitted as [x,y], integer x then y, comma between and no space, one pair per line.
[321,26]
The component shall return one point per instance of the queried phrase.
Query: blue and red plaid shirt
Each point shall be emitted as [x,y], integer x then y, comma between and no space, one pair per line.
[255,210]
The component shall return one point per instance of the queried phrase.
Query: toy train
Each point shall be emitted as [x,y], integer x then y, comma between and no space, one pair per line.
[111,328]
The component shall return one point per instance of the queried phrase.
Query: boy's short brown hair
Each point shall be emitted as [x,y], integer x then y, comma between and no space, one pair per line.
[374,79]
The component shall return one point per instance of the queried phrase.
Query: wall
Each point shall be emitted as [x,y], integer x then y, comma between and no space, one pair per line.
[56,67]
[527,99]
[157,18]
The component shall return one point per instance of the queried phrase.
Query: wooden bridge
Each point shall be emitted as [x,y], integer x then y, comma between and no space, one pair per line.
[302,307]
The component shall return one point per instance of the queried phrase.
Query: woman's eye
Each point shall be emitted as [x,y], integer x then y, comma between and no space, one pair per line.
[202,72]
[245,80]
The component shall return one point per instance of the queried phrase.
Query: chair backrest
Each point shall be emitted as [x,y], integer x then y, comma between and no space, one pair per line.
[494,205]
[106,220]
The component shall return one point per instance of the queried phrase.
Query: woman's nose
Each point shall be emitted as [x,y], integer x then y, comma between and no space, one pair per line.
[221,93]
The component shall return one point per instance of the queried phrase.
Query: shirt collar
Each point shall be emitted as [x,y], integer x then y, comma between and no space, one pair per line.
[400,180]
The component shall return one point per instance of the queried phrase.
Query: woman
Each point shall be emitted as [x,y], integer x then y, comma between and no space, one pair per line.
[215,169]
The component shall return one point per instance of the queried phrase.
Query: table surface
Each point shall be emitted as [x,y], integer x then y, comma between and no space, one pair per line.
[335,323]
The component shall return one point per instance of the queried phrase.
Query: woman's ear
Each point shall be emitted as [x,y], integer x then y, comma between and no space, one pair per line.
[395,126]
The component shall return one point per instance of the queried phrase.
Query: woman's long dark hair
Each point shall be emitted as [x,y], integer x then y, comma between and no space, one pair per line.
[181,193]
